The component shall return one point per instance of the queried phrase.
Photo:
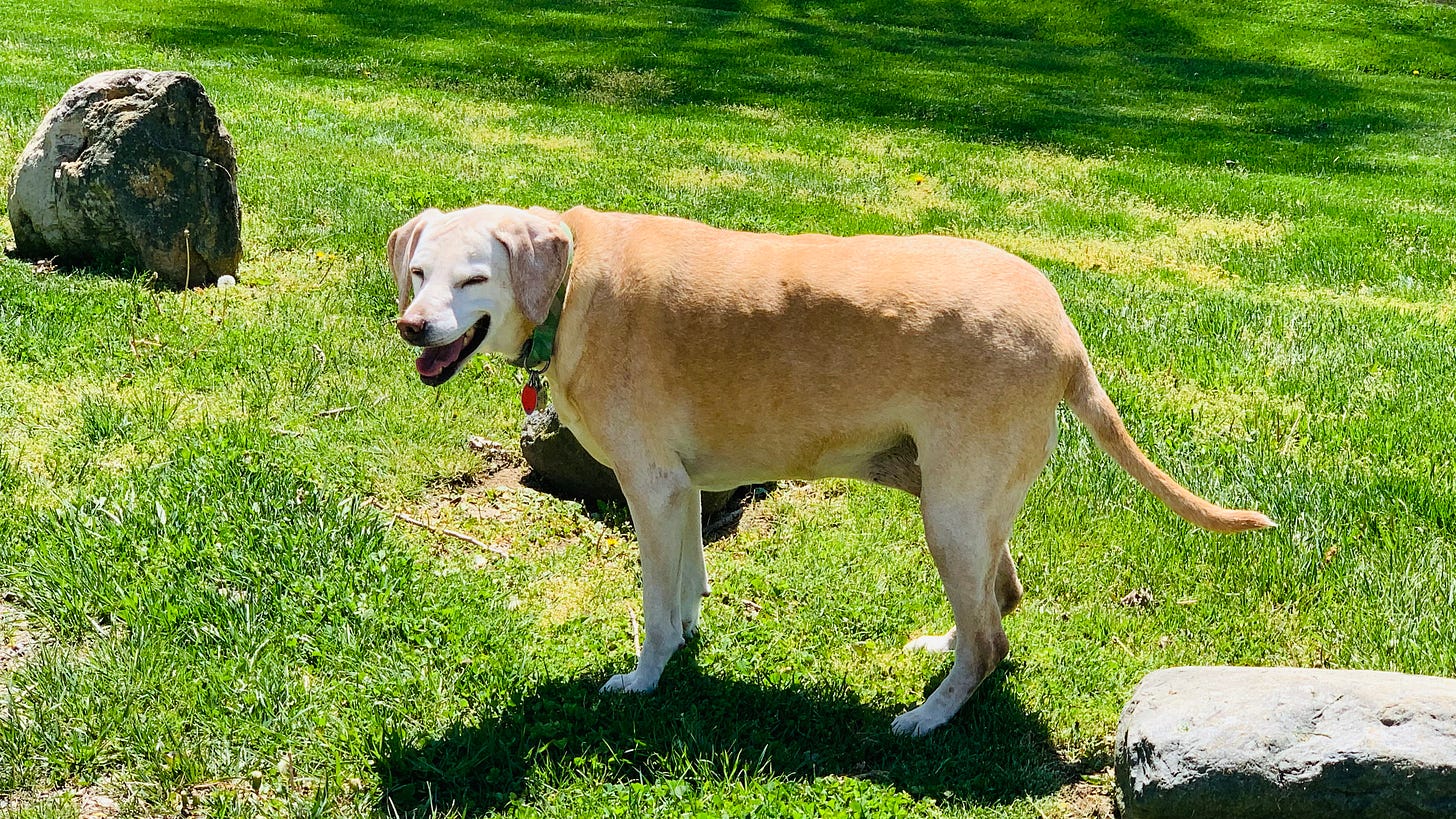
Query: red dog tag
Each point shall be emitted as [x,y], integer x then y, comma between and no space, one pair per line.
[531,393]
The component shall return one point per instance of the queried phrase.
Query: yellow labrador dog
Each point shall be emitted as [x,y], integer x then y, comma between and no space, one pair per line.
[687,357]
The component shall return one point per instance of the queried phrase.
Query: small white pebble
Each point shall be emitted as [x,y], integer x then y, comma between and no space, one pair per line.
[225,281]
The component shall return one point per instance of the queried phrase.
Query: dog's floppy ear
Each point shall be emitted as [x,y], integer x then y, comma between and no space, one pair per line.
[401,249]
[538,251]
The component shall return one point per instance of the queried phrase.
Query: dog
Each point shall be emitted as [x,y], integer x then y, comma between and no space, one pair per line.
[687,357]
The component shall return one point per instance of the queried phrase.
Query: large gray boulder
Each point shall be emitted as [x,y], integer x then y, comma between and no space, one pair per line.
[1287,742]
[132,166]
[561,465]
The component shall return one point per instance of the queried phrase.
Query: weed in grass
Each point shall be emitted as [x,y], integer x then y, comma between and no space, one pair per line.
[102,420]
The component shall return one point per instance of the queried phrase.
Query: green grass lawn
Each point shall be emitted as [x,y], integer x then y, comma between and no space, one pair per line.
[1247,207]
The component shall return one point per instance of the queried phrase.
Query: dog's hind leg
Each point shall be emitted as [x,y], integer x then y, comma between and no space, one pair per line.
[933,643]
[1008,583]
[968,502]
[693,584]
[666,511]
[958,534]
[1008,596]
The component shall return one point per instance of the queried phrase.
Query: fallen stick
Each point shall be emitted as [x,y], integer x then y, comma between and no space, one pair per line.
[439,530]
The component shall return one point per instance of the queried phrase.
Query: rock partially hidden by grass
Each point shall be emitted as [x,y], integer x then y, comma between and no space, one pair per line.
[562,467]
[1287,742]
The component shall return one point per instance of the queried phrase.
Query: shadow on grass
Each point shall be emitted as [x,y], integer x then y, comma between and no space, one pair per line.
[120,269]
[993,752]
[1148,85]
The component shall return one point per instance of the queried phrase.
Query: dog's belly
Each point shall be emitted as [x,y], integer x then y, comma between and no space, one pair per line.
[878,450]
[885,458]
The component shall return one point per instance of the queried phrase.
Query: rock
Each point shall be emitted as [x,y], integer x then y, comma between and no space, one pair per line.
[131,166]
[1287,742]
[560,463]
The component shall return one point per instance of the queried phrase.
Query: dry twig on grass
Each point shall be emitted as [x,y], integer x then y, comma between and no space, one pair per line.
[439,530]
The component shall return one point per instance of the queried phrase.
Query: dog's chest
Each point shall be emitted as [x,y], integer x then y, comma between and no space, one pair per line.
[571,418]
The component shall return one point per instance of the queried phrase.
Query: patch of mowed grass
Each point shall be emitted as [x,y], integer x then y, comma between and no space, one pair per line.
[230,614]
[1244,206]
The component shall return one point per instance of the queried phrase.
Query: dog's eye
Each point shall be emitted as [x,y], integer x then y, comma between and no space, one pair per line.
[475,280]
[417,273]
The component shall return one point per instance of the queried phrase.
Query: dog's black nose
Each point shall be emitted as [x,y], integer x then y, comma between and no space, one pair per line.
[411,328]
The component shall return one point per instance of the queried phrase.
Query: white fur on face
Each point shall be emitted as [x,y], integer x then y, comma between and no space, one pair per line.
[460,273]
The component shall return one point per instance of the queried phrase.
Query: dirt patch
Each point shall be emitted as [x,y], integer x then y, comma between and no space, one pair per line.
[18,639]
[90,803]
[501,465]
[1090,798]
[508,477]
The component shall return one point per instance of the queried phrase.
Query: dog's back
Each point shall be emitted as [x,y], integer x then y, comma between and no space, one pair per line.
[766,356]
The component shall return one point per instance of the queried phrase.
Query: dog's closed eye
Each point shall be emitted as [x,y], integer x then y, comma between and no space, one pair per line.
[475,280]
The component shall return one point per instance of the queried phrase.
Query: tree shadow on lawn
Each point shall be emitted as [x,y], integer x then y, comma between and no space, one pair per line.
[1152,88]
[993,752]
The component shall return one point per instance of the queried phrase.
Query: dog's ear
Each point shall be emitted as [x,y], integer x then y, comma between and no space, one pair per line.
[401,249]
[538,250]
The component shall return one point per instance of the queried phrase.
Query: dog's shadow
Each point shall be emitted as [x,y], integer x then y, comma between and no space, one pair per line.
[993,752]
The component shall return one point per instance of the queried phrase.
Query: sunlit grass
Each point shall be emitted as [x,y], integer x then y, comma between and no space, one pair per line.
[1245,207]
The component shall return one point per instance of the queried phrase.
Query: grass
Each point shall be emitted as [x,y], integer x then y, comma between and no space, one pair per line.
[1246,207]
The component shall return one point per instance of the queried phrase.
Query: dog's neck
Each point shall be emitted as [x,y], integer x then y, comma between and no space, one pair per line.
[538,348]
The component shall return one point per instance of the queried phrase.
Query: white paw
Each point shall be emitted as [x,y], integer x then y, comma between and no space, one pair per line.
[917,722]
[934,643]
[629,684]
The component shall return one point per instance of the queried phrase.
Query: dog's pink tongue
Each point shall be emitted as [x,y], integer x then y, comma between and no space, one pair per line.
[434,360]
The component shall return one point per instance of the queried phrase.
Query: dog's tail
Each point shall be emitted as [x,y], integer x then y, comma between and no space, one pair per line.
[1087,398]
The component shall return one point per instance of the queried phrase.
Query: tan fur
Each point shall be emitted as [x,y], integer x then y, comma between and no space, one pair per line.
[695,358]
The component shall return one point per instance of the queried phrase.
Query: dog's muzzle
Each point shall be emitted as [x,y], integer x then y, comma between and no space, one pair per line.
[437,364]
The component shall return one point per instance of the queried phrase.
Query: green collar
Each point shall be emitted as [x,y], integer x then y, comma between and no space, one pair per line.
[537,351]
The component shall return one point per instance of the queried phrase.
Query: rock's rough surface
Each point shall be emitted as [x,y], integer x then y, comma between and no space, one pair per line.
[558,460]
[1287,742]
[131,166]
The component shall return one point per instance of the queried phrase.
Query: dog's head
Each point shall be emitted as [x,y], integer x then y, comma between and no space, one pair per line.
[481,278]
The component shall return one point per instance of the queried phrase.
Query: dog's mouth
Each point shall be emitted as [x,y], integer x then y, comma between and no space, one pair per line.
[437,364]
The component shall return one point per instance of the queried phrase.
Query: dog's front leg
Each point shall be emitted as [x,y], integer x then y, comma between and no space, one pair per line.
[665,511]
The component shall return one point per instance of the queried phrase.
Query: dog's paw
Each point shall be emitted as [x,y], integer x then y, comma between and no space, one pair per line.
[917,722]
[934,643]
[629,684]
